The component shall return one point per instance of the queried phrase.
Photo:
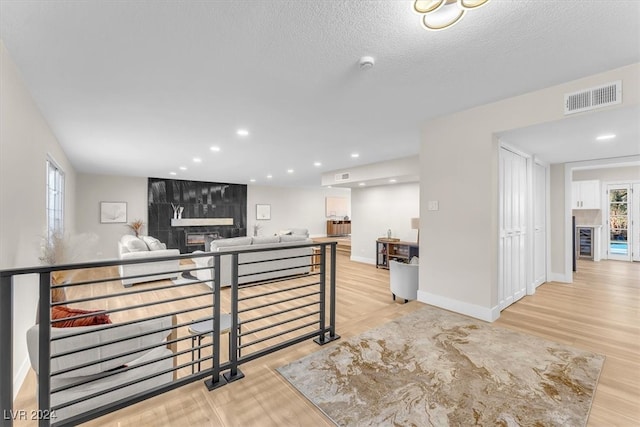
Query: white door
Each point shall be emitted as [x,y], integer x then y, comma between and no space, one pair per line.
[619,224]
[512,273]
[539,224]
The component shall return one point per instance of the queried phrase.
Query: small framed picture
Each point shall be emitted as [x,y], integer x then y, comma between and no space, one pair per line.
[263,211]
[113,212]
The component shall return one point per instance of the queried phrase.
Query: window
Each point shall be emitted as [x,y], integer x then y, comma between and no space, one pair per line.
[55,200]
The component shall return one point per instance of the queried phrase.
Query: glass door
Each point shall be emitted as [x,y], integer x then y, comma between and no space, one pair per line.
[619,245]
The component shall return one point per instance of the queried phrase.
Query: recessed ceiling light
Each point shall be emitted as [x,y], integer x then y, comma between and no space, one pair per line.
[392,180]
[362,184]
[242,132]
[197,159]
[355,155]
[173,173]
[252,180]
[317,164]
[269,176]
[289,170]
[605,137]
[214,148]
[183,168]
[328,186]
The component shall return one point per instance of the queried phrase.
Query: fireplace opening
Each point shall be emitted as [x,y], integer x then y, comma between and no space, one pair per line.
[199,239]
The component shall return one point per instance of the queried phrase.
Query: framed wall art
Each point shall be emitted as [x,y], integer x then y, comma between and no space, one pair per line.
[263,211]
[113,212]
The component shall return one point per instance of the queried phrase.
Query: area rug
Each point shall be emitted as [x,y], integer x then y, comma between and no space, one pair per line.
[437,368]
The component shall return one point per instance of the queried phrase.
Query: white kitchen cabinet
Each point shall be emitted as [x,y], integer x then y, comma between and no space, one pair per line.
[585,194]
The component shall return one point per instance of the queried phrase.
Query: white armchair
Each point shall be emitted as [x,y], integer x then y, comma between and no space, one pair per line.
[403,279]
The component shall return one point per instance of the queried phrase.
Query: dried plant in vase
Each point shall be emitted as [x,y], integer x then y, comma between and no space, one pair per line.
[59,249]
[136,226]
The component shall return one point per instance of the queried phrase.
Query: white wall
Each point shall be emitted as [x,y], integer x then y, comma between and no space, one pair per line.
[626,173]
[377,209]
[93,189]
[25,142]
[459,168]
[557,198]
[291,208]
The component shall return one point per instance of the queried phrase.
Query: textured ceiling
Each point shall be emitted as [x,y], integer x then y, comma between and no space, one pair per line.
[142,87]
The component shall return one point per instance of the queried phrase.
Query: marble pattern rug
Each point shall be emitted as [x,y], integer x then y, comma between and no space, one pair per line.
[437,368]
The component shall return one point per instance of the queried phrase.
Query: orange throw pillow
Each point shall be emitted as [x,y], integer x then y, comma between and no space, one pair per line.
[61,312]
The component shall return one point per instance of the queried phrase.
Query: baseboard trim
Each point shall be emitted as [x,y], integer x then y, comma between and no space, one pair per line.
[476,311]
[558,277]
[364,260]
[20,376]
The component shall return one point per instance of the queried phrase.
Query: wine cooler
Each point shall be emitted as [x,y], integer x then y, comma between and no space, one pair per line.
[584,244]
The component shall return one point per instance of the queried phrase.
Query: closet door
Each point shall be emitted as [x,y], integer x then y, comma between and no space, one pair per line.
[539,224]
[512,274]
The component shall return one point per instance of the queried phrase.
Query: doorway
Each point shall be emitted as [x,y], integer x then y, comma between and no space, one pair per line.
[623,221]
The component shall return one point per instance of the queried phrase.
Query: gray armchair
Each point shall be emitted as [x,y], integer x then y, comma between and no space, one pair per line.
[403,279]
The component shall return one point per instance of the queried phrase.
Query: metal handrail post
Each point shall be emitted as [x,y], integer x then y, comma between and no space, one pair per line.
[216,380]
[323,284]
[6,355]
[234,373]
[44,349]
[332,297]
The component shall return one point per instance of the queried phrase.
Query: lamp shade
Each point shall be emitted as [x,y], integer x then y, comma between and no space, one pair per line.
[415,223]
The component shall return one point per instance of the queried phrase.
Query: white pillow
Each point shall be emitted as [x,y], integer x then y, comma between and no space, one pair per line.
[300,232]
[263,240]
[414,261]
[153,243]
[284,232]
[134,244]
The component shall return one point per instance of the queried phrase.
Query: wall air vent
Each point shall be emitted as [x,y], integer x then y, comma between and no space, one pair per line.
[595,97]
[342,177]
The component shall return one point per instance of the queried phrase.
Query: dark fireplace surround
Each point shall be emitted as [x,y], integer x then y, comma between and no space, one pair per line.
[200,200]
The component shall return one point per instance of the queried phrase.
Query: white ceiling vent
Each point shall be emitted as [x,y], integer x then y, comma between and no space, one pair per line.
[342,177]
[595,97]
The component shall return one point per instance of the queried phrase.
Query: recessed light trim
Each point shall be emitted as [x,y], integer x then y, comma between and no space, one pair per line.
[183,168]
[269,176]
[173,173]
[215,148]
[252,180]
[355,155]
[393,180]
[197,160]
[242,132]
[606,137]
[362,184]
[290,171]
[317,164]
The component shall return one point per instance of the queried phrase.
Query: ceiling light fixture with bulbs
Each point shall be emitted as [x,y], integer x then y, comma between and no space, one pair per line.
[440,14]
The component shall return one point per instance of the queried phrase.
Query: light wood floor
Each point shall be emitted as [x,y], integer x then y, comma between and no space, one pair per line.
[598,312]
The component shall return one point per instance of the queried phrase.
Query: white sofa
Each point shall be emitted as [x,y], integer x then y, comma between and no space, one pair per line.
[260,270]
[101,334]
[146,247]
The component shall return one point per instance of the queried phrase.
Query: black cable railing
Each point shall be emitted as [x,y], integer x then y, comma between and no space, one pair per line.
[155,343]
